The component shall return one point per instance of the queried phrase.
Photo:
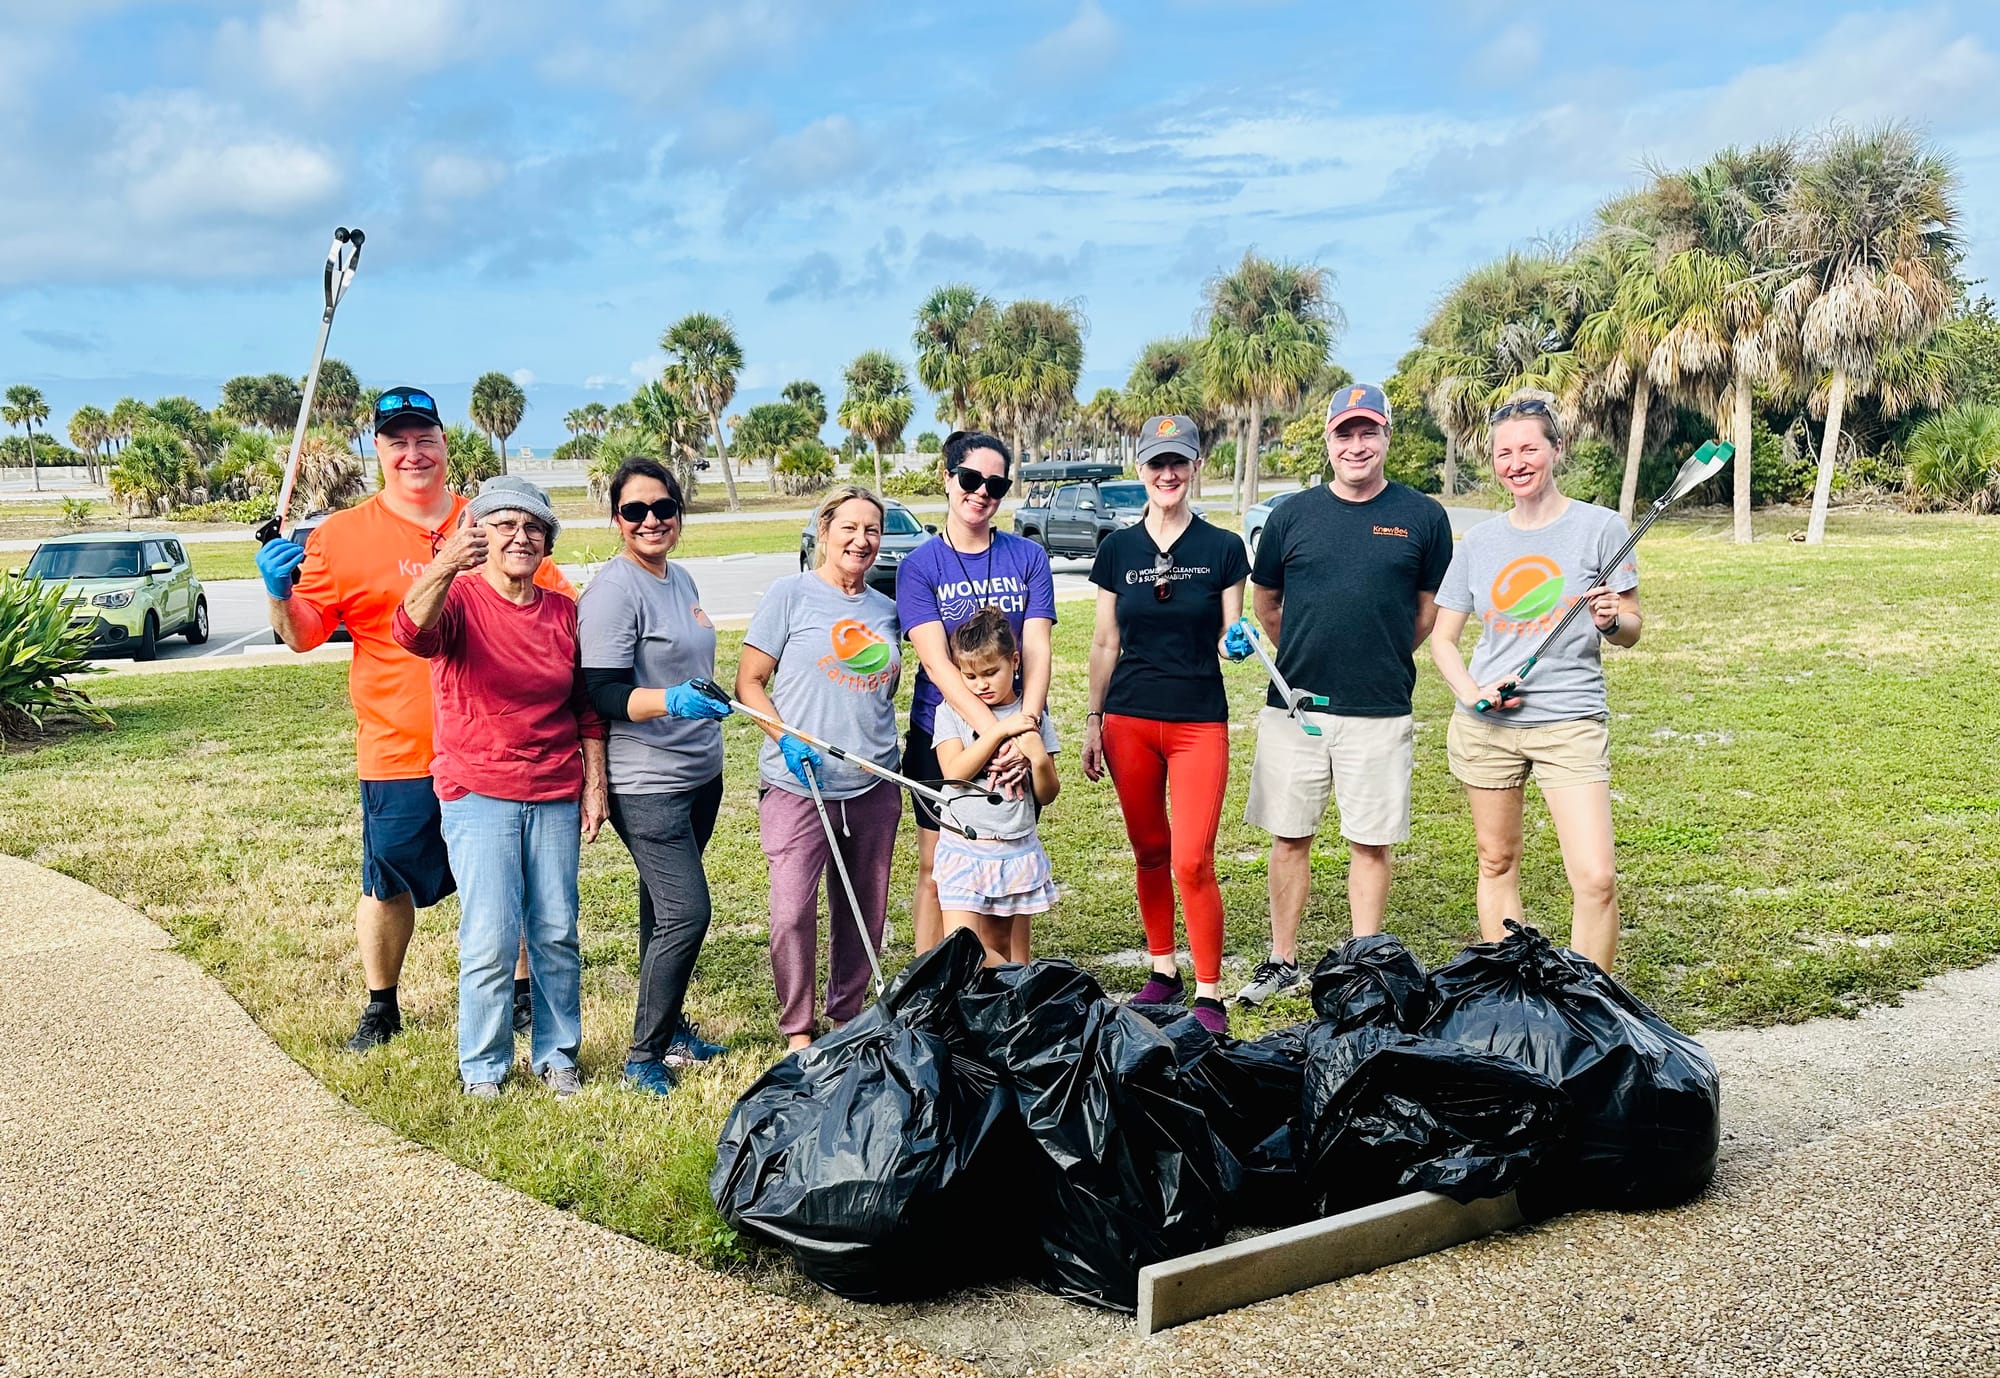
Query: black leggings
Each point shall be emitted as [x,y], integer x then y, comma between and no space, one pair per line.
[666,834]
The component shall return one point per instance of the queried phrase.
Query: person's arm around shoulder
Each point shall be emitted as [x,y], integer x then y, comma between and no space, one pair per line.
[1042,774]
[962,760]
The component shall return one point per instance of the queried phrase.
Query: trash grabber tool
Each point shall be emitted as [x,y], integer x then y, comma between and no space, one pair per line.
[840,865]
[1702,465]
[342,258]
[929,792]
[1297,701]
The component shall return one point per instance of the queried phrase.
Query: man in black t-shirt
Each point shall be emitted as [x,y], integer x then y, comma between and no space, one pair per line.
[1345,583]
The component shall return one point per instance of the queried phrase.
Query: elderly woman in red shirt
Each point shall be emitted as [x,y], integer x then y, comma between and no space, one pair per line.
[519,773]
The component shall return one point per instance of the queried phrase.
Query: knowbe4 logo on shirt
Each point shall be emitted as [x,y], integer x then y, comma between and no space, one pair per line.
[860,659]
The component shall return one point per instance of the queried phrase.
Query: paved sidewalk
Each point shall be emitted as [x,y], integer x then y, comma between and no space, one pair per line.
[177,1196]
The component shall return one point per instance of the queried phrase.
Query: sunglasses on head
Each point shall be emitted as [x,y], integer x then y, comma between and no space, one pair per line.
[1533,406]
[389,403]
[1162,565]
[663,509]
[971,481]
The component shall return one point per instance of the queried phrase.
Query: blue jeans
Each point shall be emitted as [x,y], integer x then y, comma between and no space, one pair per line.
[516,866]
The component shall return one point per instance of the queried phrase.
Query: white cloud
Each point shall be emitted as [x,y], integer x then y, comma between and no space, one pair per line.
[649,368]
[524,377]
[179,156]
[1085,46]
[315,49]
[451,177]
[596,382]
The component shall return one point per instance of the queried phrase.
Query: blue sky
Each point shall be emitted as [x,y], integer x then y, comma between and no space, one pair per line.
[546,187]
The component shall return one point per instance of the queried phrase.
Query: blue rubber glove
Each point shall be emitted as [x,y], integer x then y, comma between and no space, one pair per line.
[278,561]
[1236,642]
[686,701]
[797,757]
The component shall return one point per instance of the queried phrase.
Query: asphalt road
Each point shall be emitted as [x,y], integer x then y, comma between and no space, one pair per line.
[731,587]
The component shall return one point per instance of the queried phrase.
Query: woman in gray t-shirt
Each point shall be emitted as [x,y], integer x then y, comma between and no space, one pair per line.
[1520,572]
[828,650]
[643,640]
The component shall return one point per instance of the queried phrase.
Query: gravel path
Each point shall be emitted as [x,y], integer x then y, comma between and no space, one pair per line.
[176,1196]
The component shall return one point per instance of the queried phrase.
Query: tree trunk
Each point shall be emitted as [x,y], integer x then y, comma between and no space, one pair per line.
[1448,483]
[1635,447]
[722,456]
[1745,459]
[34,468]
[878,467]
[1829,450]
[1252,477]
[503,450]
[1236,468]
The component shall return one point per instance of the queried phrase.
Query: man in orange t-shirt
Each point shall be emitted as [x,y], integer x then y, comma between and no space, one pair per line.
[356,569]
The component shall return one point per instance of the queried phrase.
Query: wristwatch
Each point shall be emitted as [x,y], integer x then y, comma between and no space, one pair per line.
[1617,619]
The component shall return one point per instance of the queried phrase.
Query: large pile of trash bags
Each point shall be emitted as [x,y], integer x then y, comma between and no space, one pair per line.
[979,1124]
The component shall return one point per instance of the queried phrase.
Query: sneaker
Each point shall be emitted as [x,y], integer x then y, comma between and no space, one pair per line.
[380,1022]
[1161,990]
[483,1090]
[649,1078]
[564,1081]
[1208,1013]
[1270,978]
[524,1013]
[688,1047]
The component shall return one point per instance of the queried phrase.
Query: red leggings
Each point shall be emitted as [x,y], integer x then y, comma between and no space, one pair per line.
[1189,760]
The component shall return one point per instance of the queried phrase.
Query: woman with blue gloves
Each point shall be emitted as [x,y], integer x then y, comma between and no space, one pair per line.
[827,648]
[1169,588]
[640,625]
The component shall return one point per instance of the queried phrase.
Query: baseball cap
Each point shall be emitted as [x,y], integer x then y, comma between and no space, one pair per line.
[1357,399]
[512,493]
[1168,435]
[399,404]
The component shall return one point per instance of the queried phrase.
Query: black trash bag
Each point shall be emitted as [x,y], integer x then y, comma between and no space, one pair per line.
[1386,1113]
[868,1155]
[1249,1090]
[1371,982]
[1648,1104]
[1126,1169]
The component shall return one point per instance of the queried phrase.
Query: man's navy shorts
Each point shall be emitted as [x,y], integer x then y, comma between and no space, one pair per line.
[402,842]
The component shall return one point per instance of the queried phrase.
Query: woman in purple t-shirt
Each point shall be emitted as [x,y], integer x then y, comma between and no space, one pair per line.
[941,584]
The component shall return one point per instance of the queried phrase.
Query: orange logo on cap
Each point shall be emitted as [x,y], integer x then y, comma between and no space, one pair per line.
[1166,427]
[1354,396]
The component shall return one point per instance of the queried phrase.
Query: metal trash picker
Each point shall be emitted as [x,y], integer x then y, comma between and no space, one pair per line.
[1297,701]
[846,884]
[1701,466]
[935,793]
[342,258]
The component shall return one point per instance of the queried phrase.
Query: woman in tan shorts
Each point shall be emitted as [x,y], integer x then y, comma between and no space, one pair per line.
[1519,573]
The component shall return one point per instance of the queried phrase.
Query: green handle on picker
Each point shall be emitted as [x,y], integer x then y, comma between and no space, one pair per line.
[1702,465]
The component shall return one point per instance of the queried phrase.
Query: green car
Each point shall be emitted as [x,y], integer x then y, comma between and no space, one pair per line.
[130,587]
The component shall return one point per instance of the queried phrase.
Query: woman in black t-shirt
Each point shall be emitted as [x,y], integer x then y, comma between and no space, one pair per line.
[1168,588]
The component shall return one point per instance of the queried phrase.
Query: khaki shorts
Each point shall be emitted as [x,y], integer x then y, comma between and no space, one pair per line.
[1489,754]
[1363,764]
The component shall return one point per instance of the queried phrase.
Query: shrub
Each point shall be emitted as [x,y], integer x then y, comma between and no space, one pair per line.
[929,443]
[1954,457]
[39,651]
[806,467]
[924,481]
[75,513]
[469,459]
[250,511]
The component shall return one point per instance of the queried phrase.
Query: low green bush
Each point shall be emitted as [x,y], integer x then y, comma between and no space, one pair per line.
[39,651]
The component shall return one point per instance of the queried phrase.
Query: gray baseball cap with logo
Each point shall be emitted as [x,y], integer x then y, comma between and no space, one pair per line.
[1357,399]
[1168,435]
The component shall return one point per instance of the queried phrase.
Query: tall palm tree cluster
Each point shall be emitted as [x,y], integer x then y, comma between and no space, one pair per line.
[1781,282]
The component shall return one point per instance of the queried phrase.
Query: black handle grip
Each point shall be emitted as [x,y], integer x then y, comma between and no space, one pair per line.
[710,688]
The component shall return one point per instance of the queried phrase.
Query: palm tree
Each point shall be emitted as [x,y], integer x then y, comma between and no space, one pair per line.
[878,402]
[497,406]
[1506,325]
[364,417]
[671,426]
[335,397]
[1270,326]
[596,419]
[1868,232]
[1103,419]
[807,396]
[1026,367]
[26,409]
[950,324]
[127,416]
[89,431]
[704,361]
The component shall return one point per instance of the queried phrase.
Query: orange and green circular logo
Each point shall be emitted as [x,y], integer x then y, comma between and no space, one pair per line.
[859,649]
[1528,588]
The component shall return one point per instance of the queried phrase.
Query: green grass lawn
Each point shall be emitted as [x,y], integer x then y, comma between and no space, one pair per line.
[1807,806]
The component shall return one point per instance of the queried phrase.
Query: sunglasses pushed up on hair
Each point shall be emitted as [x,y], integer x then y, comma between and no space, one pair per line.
[660,509]
[971,481]
[389,403]
[1528,406]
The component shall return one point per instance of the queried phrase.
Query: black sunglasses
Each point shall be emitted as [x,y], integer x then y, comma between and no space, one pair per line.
[971,481]
[665,509]
[390,403]
[1162,564]
[1533,406]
